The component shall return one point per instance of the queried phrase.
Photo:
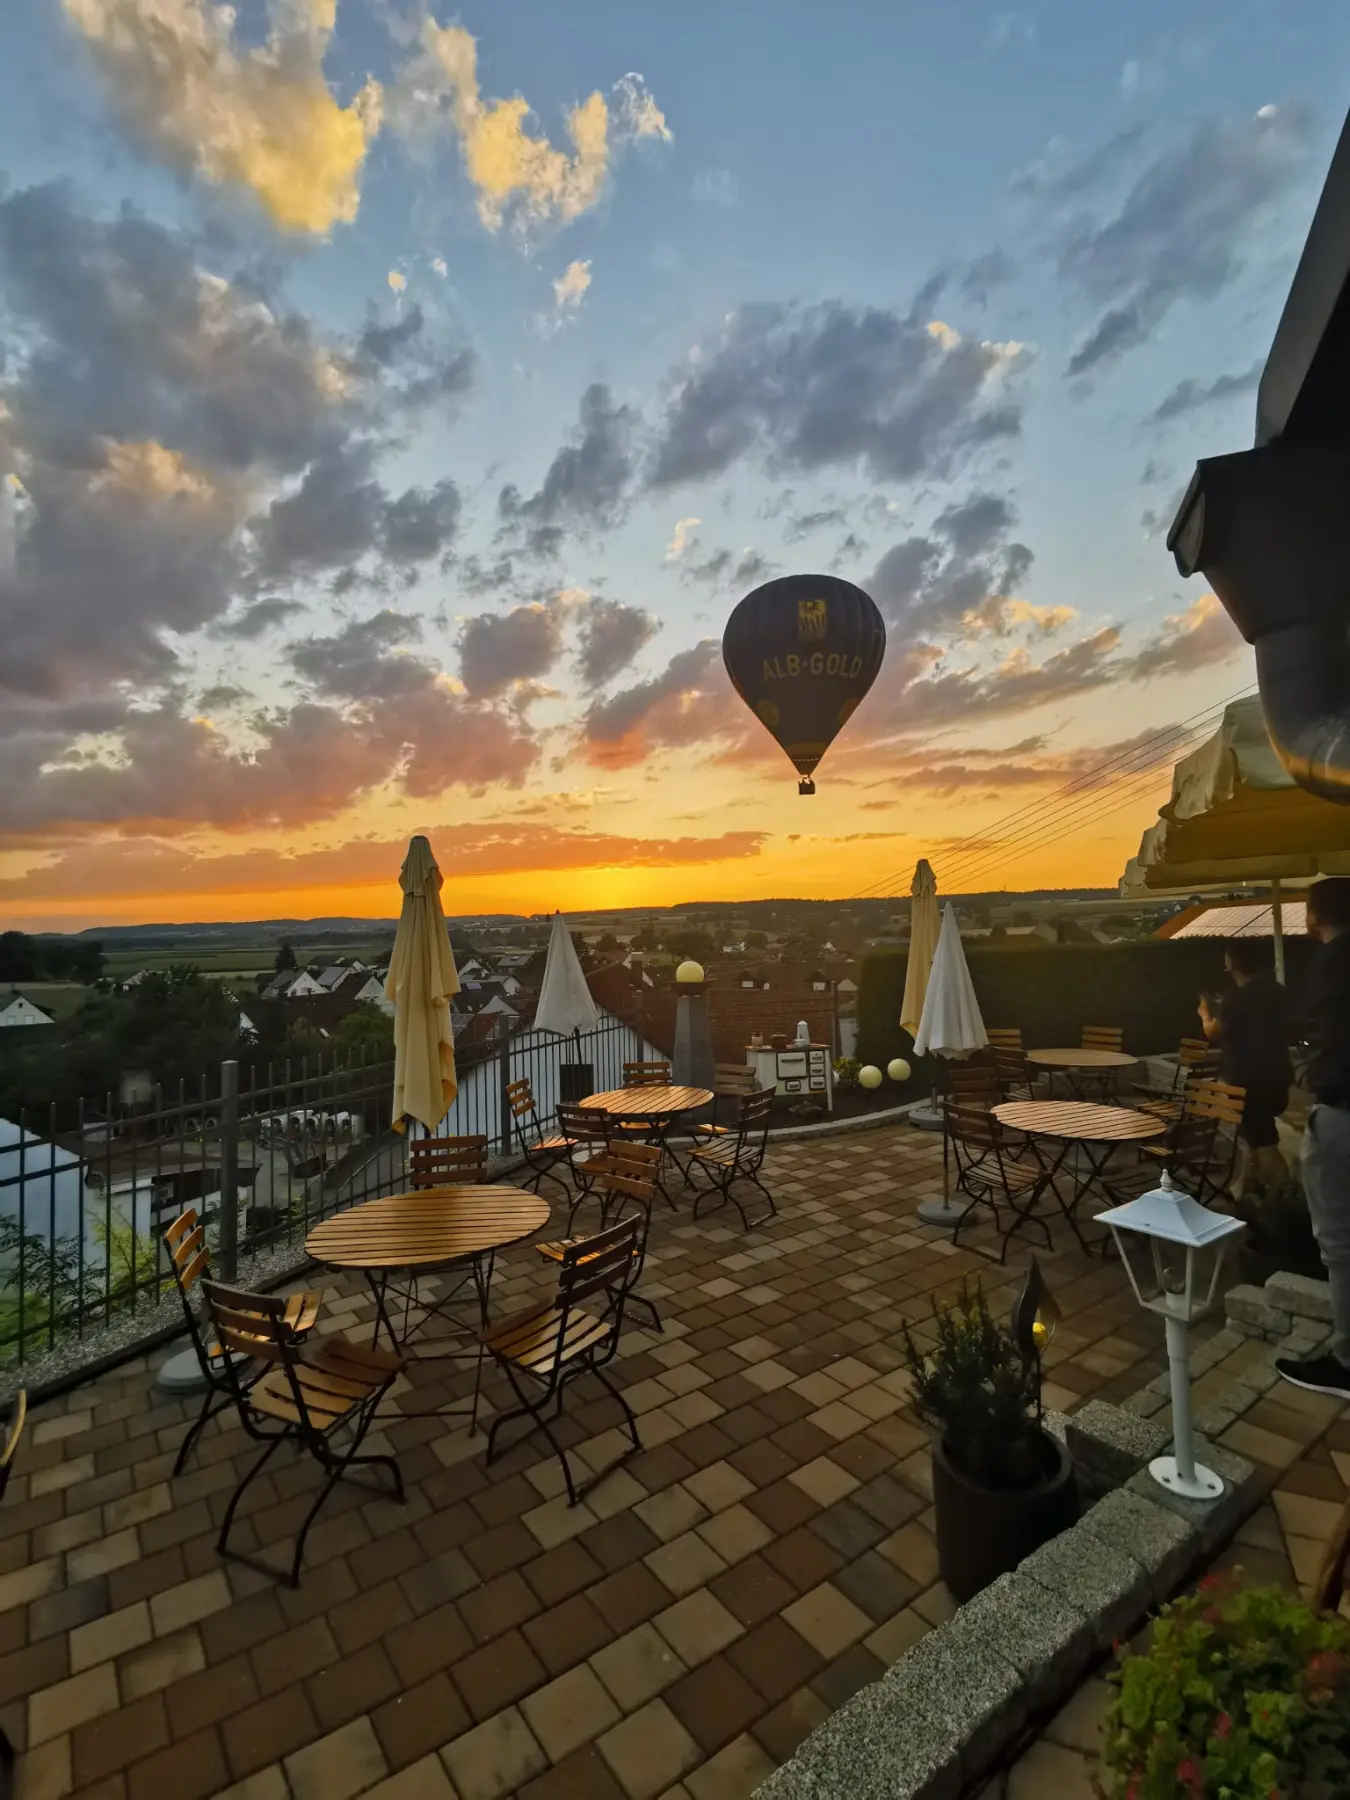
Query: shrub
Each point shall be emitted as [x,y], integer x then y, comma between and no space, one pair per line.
[1276,1213]
[846,1073]
[977,1393]
[1242,1694]
[1053,990]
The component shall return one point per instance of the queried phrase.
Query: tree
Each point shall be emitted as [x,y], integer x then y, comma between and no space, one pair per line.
[18,957]
[367,1027]
[285,956]
[607,942]
[695,944]
[1023,917]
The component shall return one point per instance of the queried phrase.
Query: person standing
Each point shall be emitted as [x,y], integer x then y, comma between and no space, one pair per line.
[1326,1142]
[1249,1025]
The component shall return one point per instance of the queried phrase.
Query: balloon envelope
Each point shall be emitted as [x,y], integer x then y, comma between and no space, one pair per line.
[801,652]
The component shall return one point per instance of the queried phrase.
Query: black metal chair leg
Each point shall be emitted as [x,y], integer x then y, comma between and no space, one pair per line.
[6,1766]
[610,1389]
[222,1544]
[211,1405]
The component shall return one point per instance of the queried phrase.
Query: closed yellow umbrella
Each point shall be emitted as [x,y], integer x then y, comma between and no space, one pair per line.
[421,980]
[924,925]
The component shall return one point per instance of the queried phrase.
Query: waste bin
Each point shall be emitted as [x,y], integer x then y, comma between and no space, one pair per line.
[576,1081]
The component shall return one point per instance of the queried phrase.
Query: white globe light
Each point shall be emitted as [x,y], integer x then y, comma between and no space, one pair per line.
[869,1076]
[898,1069]
[689,971]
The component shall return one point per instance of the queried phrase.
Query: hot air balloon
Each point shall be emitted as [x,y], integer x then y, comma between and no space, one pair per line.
[801,652]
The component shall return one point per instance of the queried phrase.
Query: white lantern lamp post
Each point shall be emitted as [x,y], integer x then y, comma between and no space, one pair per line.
[1173,1249]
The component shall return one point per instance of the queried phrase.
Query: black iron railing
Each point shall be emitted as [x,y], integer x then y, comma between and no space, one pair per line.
[263,1153]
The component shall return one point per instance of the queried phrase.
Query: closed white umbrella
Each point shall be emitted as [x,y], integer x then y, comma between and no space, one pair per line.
[923,942]
[421,980]
[565,1003]
[951,1026]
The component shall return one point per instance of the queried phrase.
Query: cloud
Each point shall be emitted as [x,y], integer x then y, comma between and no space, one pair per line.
[834,386]
[612,634]
[260,119]
[498,650]
[340,514]
[802,525]
[980,277]
[1185,229]
[1192,396]
[690,700]
[516,174]
[682,539]
[636,111]
[397,280]
[588,479]
[570,287]
[1197,638]
[961,578]
[148,868]
[259,616]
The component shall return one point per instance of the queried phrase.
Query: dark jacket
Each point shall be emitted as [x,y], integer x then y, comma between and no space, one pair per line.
[1328,1010]
[1254,1034]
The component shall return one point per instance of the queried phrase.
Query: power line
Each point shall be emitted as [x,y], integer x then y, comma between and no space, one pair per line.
[1049,809]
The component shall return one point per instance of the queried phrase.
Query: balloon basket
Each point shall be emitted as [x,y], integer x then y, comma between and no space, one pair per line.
[806,787]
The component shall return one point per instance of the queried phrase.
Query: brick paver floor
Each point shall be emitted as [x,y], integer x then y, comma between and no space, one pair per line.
[768,1553]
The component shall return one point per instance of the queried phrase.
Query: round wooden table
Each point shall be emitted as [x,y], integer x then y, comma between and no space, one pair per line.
[658,1105]
[1076,1057]
[662,1101]
[1094,1133]
[426,1229]
[1082,1067]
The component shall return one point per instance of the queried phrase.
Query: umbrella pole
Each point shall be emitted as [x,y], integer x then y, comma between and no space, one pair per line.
[1277,923]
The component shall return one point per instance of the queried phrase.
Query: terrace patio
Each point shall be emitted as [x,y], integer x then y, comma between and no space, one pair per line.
[766,1555]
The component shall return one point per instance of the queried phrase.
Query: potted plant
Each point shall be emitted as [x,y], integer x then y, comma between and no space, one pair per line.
[1241,1693]
[1002,1485]
[1279,1235]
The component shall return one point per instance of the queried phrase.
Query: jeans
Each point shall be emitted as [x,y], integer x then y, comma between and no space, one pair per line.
[1326,1182]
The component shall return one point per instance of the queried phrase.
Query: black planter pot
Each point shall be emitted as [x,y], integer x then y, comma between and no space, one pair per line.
[984,1532]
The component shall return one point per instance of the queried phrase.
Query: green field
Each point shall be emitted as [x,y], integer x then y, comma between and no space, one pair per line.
[241,961]
[57,998]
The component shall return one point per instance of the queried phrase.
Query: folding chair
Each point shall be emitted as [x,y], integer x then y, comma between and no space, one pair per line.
[725,1157]
[1013,1071]
[1103,1037]
[588,1131]
[731,1081]
[1004,1037]
[190,1262]
[1197,1060]
[624,1180]
[1190,1151]
[1221,1102]
[989,1172]
[314,1393]
[646,1074]
[971,1084]
[550,1347]
[542,1150]
[13,1432]
[447,1161]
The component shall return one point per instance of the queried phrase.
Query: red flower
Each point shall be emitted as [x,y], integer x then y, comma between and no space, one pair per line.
[1223,1725]
[1191,1777]
[1207,1583]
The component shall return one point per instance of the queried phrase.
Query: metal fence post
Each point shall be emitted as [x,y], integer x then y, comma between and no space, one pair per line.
[504,1082]
[229,1171]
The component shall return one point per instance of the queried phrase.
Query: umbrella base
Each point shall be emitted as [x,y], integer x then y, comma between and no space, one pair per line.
[926,1118]
[942,1215]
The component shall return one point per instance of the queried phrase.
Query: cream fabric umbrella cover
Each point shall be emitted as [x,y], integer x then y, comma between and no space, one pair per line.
[951,1024]
[565,1003]
[421,980]
[923,942]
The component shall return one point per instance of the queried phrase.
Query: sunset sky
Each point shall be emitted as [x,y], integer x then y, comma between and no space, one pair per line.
[394,402]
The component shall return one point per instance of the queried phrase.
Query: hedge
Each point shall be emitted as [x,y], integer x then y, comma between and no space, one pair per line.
[1150,989]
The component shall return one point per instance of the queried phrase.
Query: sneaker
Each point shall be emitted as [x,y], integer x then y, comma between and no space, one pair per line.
[1319,1374]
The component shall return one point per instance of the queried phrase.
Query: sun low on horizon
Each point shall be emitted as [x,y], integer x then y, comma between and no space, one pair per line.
[395,402]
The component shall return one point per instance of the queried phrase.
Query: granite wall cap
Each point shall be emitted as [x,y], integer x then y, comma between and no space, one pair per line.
[1214,1521]
[1098,1580]
[1048,1643]
[1302,1295]
[1163,1544]
[1113,1441]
